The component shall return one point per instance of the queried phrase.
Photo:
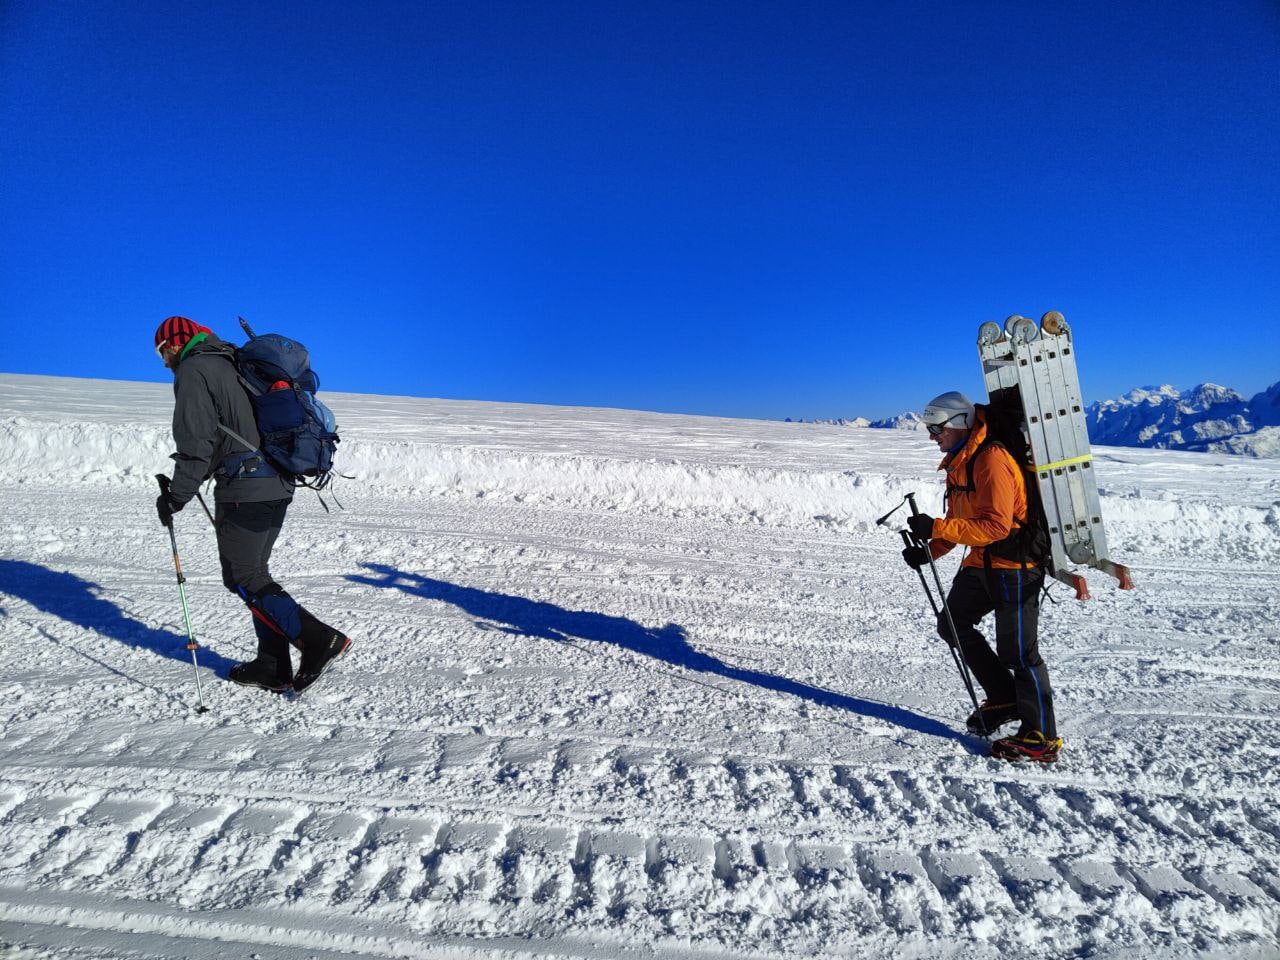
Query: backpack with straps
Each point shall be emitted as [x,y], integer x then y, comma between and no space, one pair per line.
[298,432]
[1028,541]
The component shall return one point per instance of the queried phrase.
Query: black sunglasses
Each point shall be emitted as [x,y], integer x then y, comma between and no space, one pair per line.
[936,428]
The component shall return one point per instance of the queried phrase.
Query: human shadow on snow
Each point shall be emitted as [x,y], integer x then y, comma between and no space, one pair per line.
[537,618]
[79,601]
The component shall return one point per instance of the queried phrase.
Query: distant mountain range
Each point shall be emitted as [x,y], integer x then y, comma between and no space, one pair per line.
[1206,418]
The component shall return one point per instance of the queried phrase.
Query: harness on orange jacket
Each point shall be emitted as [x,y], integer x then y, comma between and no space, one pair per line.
[1027,543]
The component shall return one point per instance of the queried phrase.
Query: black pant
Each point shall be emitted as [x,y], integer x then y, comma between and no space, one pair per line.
[246,534]
[1014,671]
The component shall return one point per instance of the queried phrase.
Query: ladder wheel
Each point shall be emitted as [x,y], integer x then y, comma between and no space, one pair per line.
[989,333]
[1022,330]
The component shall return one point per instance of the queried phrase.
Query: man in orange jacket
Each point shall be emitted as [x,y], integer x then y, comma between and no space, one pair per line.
[986,511]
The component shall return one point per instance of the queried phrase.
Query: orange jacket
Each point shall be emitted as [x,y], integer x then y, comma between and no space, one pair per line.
[985,514]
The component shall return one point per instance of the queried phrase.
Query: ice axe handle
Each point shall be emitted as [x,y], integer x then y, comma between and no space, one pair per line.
[911,499]
[244,325]
[885,519]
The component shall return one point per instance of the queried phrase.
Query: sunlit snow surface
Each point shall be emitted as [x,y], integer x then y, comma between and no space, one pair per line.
[622,685]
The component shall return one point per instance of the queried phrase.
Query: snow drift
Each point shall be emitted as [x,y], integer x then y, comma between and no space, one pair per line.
[745,472]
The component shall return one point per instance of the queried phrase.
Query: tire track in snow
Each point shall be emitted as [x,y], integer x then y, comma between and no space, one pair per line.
[584,785]
[434,868]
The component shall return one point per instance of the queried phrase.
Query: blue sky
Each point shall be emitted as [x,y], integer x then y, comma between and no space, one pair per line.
[746,209]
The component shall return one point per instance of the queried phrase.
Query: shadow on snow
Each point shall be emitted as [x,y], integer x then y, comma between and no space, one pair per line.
[80,602]
[670,643]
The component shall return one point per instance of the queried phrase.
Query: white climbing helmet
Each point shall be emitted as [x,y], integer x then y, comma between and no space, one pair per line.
[951,409]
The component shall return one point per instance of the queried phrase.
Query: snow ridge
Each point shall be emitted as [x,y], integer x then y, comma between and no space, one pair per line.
[796,495]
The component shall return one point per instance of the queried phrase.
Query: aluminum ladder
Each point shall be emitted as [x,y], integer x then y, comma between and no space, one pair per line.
[1037,363]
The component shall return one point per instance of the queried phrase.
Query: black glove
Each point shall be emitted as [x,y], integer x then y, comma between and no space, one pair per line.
[166,508]
[916,557]
[921,525]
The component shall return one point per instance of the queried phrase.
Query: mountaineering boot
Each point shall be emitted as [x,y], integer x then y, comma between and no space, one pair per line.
[321,645]
[271,669]
[316,658]
[261,672]
[991,716]
[1027,745]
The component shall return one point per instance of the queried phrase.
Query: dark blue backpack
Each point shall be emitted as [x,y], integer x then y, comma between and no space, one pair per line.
[299,433]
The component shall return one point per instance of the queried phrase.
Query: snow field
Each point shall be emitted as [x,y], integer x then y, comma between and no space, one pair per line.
[1235,512]
[597,708]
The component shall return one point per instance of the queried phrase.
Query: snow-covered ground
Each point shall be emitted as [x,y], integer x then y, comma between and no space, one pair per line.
[623,685]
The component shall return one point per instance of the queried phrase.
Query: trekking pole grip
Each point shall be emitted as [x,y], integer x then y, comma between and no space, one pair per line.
[164,492]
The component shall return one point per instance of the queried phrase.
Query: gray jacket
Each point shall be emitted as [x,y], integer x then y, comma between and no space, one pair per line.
[208,392]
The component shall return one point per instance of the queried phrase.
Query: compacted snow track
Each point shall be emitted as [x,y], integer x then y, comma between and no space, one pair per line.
[622,685]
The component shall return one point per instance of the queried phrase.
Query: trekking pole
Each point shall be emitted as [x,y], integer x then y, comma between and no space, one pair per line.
[954,644]
[955,656]
[910,542]
[182,592]
[207,513]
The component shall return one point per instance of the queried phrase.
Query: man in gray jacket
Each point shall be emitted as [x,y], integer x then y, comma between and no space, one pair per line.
[211,410]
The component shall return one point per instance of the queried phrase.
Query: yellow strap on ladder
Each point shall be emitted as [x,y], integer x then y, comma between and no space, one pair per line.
[1064,463]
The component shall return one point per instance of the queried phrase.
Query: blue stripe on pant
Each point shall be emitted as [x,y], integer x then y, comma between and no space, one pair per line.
[1014,670]
[1022,650]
